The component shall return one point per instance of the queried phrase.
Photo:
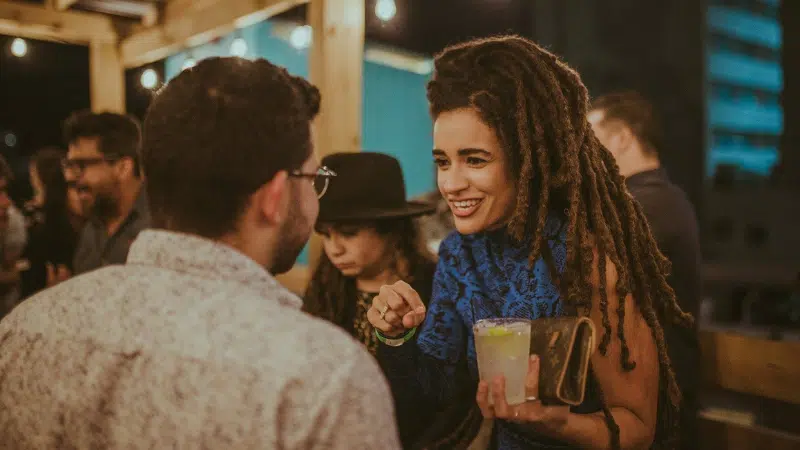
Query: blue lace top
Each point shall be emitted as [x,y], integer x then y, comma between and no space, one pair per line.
[478,276]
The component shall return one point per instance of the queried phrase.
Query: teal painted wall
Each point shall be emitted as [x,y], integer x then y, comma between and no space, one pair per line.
[395,114]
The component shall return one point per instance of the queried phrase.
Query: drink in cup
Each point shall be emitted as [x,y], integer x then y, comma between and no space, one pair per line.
[503,347]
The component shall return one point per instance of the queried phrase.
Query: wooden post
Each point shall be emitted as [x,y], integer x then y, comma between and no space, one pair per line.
[336,68]
[107,78]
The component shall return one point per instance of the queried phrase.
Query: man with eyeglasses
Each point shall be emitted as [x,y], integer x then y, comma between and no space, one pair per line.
[103,164]
[193,343]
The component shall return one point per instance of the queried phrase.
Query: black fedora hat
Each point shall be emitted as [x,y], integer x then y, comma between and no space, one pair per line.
[368,186]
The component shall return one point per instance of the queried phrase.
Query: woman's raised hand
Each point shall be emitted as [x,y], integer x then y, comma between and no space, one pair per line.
[396,308]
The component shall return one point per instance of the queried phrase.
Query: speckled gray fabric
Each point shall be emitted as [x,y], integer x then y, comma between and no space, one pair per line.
[190,345]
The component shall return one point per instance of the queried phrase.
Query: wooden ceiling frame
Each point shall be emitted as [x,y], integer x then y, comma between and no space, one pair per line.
[49,24]
[336,58]
[194,24]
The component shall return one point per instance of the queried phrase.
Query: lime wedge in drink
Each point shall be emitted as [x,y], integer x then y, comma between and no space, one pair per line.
[498,331]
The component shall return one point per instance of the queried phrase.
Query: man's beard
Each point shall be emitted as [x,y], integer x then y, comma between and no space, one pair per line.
[294,234]
[105,206]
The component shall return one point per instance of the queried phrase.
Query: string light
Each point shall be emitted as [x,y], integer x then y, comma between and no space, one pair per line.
[19,47]
[239,47]
[301,37]
[149,79]
[10,139]
[385,10]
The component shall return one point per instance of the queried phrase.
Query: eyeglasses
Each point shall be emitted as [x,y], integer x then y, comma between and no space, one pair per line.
[78,165]
[321,178]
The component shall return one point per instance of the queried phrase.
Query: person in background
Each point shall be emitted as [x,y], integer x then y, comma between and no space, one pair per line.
[13,238]
[369,239]
[58,219]
[193,343]
[546,228]
[626,124]
[437,226]
[103,160]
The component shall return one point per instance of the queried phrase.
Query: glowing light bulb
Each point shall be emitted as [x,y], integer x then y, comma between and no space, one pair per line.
[19,47]
[10,139]
[149,79]
[301,37]
[239,47]
[385,10]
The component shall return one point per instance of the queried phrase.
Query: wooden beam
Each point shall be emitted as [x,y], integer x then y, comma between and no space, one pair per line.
[753,366]
[196,26]
[177,8]
[336,67]
[62,4]
[106,78]
[385,55]
[150,18]
[37,22]
[127,8]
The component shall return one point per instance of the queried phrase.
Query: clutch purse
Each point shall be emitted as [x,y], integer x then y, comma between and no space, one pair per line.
[564,346]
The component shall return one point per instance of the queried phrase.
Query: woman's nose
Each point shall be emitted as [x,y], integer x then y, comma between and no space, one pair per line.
[334,245]
[452,181]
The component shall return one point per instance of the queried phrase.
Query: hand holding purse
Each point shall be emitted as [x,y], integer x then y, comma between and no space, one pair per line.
[564,346]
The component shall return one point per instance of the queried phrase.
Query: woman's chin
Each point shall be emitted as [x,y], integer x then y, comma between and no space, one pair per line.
[469,225]
[350,272]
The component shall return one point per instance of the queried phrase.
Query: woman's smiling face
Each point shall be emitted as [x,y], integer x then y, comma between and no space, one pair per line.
[473,171]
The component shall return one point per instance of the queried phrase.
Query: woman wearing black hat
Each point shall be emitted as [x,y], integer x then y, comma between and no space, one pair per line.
[370,239]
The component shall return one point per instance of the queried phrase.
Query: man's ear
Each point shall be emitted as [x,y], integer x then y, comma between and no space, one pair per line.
[625,138]
[126,166]
[272,198]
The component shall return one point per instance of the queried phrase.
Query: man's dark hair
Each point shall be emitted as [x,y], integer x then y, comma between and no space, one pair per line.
[633,110]
[216,133]
[117,134]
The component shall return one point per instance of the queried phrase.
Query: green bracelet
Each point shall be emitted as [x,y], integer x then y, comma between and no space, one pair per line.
[395,342]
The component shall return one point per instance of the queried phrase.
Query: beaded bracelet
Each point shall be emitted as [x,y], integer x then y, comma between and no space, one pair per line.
[398,341]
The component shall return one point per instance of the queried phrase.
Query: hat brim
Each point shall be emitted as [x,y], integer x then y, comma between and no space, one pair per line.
[410,209]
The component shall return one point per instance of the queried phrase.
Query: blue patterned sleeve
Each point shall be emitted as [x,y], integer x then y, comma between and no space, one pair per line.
[428,368]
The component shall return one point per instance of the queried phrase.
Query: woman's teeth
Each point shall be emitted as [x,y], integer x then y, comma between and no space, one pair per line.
[466,204]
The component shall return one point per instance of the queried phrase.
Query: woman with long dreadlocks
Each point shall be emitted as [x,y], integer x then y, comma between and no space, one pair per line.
[545,228]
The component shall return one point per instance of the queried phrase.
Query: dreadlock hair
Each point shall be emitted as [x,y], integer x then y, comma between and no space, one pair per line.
[330,294]
[537,106]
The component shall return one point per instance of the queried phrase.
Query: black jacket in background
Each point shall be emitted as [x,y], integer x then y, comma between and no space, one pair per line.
[673,223]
